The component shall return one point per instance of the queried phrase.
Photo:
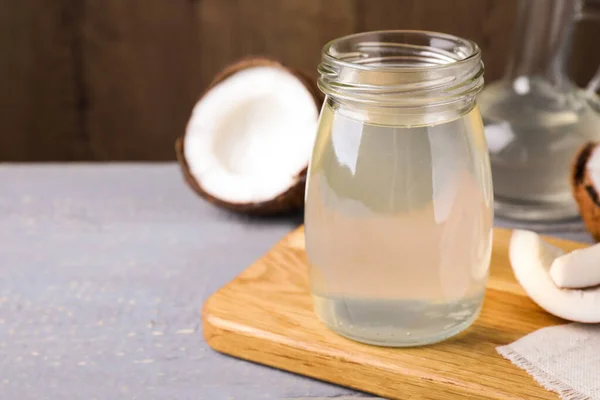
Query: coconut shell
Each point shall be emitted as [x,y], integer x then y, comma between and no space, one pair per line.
[585,193]
[290,200]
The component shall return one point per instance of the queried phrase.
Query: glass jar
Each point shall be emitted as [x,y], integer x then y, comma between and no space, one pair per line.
[536,118]
[399,200]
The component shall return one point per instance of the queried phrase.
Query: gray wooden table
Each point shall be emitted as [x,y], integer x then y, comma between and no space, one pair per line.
[103,271]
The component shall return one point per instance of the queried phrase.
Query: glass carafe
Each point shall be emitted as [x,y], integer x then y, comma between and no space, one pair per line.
[398,217]
[536,118]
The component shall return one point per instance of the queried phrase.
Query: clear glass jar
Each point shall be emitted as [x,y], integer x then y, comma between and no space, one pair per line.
[399,200]
[536,118]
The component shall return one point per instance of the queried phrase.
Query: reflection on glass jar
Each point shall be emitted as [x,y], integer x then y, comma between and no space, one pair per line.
[399,212]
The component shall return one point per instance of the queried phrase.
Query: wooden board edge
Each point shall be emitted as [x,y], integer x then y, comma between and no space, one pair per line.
[239,341]
[255,347]
[250,344]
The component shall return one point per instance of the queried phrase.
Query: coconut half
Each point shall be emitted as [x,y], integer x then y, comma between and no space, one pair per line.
[585,182]
[249,138]
[531,259]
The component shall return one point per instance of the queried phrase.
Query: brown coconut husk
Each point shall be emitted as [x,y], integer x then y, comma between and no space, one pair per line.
[585,193]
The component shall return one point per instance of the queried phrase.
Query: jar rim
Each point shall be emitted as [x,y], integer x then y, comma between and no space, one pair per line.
[406,68]
[475,50]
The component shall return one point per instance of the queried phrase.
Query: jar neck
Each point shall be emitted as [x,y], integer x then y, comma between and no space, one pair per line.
[542,40]
[400,116]
[402,72]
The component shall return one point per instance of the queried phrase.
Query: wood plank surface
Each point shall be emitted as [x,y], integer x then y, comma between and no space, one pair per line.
[142,76]
[265,315]
[114,80]
[292,31]
[488,22]
[40,99]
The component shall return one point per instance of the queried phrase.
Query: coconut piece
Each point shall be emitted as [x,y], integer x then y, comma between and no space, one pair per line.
[531,258]
[249,138]
[585,182]
[577,269]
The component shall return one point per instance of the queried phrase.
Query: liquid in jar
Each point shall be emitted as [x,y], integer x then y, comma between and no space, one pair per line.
[398,225]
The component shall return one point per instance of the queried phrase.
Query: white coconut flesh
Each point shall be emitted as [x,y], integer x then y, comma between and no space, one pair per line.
[577,269]
[250,135]
[531,259]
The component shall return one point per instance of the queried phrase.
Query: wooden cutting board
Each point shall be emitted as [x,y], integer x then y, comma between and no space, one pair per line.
[265,315]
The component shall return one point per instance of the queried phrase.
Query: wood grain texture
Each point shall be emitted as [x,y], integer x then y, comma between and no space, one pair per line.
[488,22]
[39,96]
[265,315]
[293,31]
[114,80]
[141,74]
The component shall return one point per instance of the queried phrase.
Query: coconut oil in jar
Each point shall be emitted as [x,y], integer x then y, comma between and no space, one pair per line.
[398,217]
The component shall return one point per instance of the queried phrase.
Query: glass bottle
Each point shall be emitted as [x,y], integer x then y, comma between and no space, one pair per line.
[399,199]
[536,118]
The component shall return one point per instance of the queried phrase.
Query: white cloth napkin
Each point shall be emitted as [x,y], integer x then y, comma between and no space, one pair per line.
[564,359]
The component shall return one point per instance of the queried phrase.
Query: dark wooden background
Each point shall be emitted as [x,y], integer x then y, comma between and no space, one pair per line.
[117,79]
